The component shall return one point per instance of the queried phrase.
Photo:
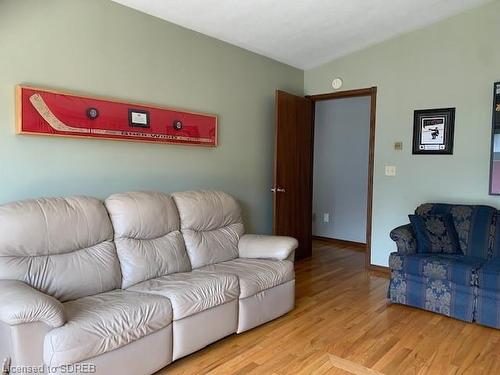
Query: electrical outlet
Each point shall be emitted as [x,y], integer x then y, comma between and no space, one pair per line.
[326,217]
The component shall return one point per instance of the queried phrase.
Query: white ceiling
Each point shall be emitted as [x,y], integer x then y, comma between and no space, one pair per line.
[302,33]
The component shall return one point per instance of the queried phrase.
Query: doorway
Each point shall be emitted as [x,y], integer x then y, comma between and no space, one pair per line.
[294,161]
[340,172]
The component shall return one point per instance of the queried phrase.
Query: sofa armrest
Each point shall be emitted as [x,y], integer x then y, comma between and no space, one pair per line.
[405,239]
[20,303]
[270,247]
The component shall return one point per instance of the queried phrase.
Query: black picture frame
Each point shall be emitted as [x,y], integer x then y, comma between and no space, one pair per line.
[135,124]
[495,129]
[433,131]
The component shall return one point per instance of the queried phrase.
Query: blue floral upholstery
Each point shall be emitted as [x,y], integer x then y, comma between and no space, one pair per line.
[475,226]
[488,308]
[488,299]
[440,296]
[488,277]
[458,269]
[405,239]
[435,234]
[465,287]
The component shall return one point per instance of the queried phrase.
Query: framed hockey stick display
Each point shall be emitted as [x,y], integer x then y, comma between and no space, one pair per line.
[55,113]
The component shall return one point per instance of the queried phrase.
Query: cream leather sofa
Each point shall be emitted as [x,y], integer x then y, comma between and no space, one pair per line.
[128,285]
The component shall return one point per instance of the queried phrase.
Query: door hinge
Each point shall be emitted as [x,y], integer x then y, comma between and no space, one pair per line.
[6,366]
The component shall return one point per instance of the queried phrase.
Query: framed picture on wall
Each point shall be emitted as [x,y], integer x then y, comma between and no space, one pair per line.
[433,131]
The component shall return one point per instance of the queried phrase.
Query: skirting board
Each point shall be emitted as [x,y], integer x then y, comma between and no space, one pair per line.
[357,245]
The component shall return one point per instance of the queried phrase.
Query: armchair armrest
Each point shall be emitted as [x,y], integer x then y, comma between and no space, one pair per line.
[405,239]
[20,303]
[270,247]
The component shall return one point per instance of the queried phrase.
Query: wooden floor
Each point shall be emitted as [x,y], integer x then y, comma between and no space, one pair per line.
[343,324]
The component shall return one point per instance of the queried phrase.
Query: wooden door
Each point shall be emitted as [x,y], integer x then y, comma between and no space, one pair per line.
[293,170]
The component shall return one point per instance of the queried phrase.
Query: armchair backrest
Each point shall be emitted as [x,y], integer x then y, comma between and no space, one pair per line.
[475,225]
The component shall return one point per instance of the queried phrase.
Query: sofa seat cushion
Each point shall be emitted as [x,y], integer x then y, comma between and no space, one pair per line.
[459,269]
[104,322]
[488,276]
[255,275]
[192,292]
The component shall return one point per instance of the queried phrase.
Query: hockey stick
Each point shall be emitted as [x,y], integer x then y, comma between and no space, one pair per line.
[56,124]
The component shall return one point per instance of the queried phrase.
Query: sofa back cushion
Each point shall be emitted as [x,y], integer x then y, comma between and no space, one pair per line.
[211,225]
[435,234]
[147,236]
[60,246]
[475,225]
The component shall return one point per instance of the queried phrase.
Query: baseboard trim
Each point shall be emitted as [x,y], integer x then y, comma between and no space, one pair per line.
[358,245]
[380,270]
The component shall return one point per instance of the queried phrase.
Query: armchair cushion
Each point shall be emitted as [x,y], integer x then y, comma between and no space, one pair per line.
[435,234]
[23,304]
[270,247]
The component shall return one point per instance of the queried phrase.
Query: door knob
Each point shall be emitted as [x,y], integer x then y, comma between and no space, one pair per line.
[273,190]
[280,190]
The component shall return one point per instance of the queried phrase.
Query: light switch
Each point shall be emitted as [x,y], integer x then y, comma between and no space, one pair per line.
[398,146]
[390,170]
[326,217]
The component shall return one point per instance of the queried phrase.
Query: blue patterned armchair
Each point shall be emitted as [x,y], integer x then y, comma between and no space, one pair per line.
[464,284]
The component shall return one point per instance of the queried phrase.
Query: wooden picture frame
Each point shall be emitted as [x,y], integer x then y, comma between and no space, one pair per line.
[56,113]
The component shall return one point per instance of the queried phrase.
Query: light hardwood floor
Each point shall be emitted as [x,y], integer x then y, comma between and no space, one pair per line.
[343,324]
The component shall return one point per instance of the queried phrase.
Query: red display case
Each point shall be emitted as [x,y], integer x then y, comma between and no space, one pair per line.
[54,113]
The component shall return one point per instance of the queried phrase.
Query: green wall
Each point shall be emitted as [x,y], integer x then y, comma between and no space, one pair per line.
[102,48]
[450,64]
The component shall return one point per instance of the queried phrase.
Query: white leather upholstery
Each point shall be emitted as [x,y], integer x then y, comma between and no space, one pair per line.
[202,329]
[27,343]
[267,247]
[60,270]
[147,236]
[192,292]
[101,323]
[266,306]
[20,303]
[211,225]
[255,275]
[60,246]
[144,356]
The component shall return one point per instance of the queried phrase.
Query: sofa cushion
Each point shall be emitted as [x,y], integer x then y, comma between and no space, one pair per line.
[459,269]
[60,246]
[435,234]
[255,275]
[192,292]
[147,236]
[475,225]
[211,225]
[104,322]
